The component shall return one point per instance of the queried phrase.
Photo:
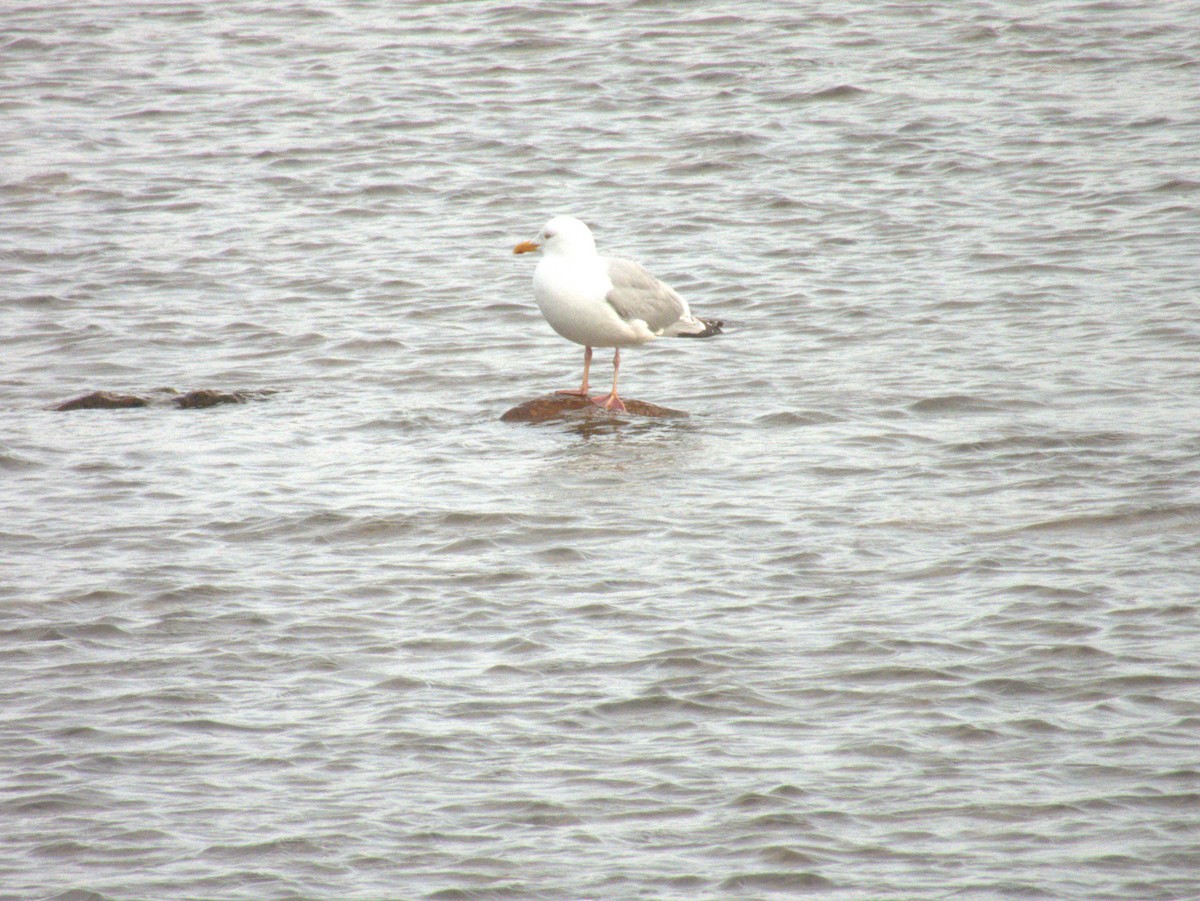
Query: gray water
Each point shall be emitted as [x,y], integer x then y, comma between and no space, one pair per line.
[905,608]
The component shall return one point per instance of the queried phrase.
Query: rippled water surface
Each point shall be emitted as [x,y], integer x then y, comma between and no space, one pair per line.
[906,607]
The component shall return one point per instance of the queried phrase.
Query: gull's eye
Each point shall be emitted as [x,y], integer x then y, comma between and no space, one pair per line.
[548,233]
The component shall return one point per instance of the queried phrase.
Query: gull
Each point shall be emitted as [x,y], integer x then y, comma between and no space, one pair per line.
[602,301]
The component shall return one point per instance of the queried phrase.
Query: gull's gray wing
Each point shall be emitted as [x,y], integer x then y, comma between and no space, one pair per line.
[636,294]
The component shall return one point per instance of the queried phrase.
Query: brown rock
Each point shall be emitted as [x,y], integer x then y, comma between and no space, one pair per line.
[569,406]
[207,397]
[192,400]
[103,400]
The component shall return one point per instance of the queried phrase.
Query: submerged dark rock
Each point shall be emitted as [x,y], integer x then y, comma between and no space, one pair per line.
[569,406]
[191,400]
[103,400]
[207,397]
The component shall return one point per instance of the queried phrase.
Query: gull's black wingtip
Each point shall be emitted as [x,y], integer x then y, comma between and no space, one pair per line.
[711,327]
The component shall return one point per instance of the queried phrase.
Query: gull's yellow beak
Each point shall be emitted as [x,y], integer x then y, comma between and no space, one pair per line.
[527,247]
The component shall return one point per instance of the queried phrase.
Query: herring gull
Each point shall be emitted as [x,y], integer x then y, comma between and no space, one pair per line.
[602,301]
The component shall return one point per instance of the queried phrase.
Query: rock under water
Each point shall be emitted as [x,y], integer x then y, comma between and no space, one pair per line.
[207,397]
[103,400]
[569,406]
[192,400]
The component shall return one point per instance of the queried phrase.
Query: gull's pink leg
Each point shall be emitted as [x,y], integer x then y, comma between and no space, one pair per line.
[587,363]
[612,402]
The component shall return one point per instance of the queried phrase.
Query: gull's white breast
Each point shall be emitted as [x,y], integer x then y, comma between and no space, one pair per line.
[571,293]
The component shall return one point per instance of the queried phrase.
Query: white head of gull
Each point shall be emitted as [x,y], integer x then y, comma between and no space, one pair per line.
[602,301]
